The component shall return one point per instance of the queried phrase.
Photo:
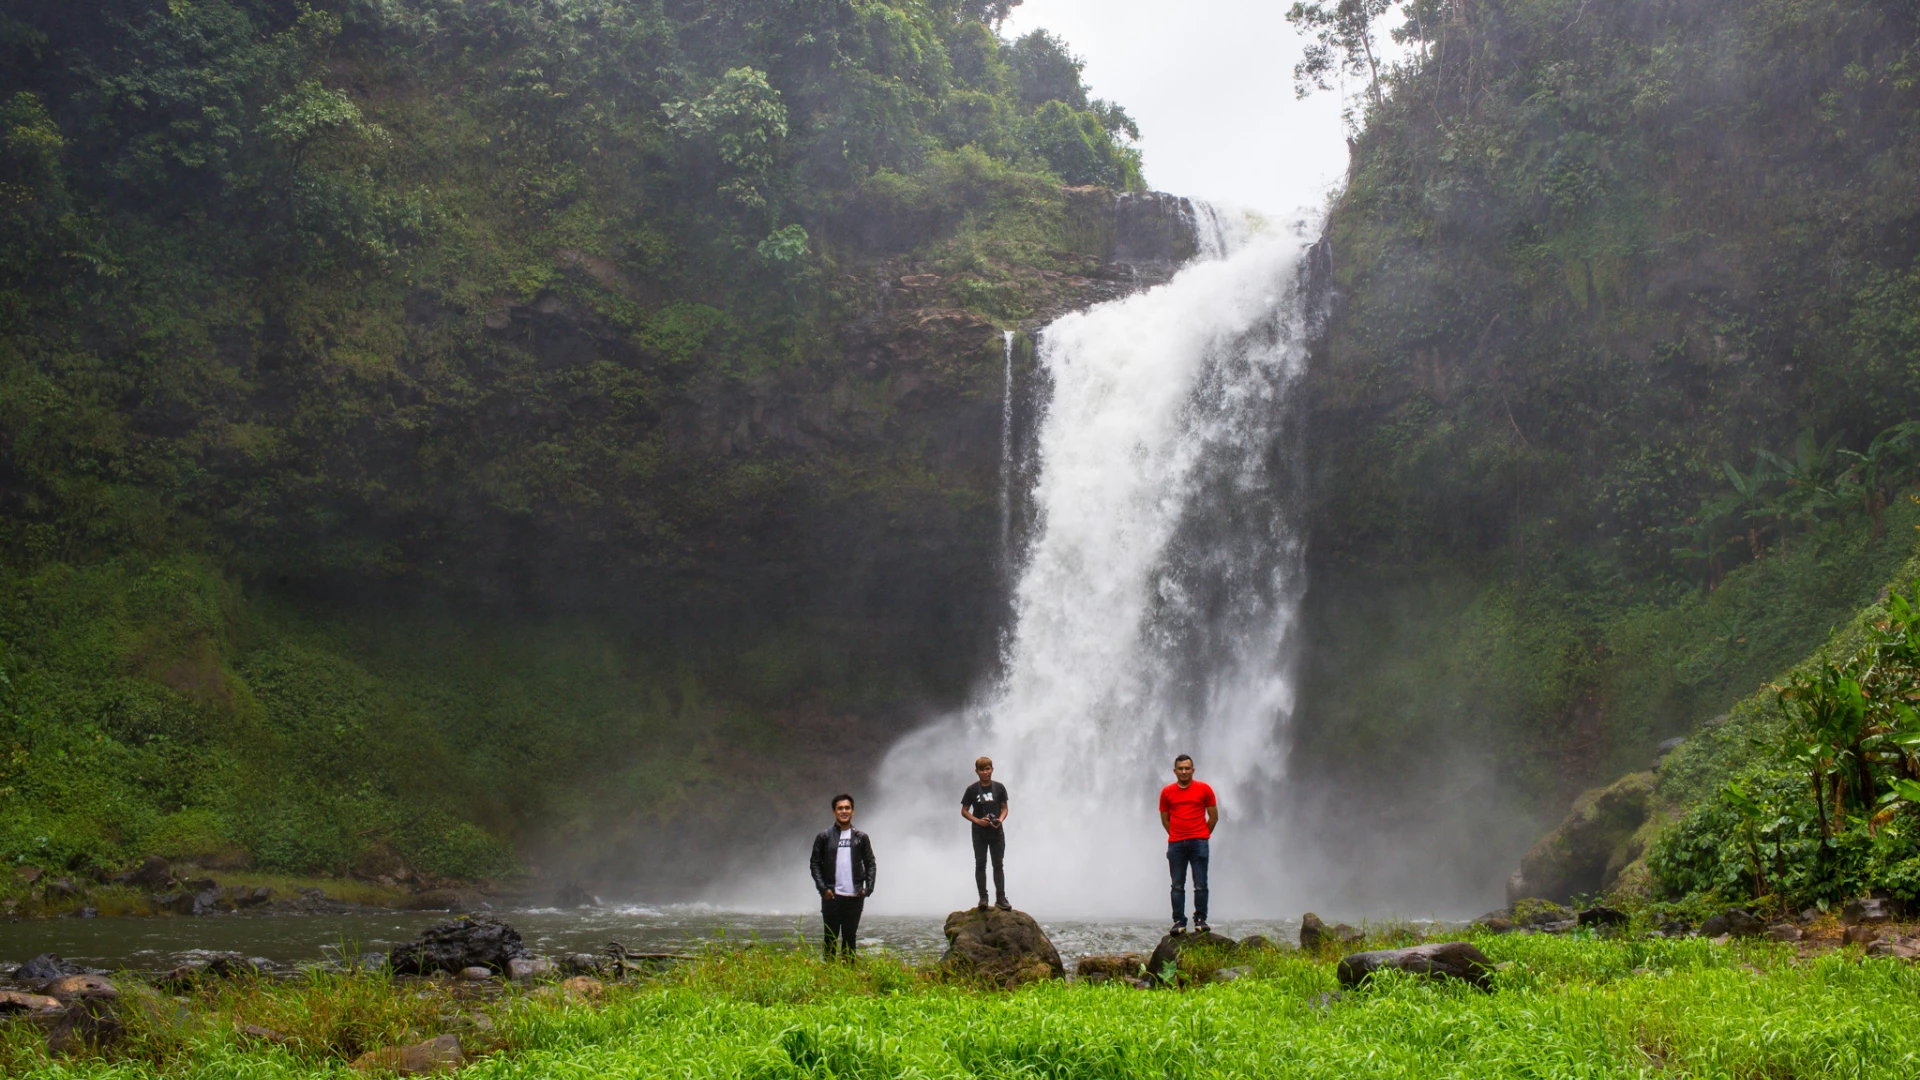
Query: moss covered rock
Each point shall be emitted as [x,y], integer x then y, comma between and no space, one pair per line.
[1598,838]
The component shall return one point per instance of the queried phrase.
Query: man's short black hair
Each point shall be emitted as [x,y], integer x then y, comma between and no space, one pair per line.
[838,798]
[1181,758]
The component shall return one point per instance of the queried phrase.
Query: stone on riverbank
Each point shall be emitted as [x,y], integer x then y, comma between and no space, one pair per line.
[1102,967]
[469,941]
[1869,909]
[13,1001]
[1443,960]
[1166,955]
[1005,947]
[1314,933]
[441,1055]
[1735,922]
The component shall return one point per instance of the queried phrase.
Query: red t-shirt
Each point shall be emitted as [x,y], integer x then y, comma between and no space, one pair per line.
[1186,810]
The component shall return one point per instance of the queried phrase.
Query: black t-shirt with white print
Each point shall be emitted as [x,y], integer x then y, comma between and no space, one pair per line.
[985,800]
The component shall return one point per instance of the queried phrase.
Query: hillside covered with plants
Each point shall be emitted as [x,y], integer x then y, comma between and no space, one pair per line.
[430,427]
[1613,418]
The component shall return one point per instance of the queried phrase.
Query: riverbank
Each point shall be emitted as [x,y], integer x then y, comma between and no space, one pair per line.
[1573,1005]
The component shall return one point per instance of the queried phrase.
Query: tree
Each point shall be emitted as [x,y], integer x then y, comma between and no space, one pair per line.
[1342,43]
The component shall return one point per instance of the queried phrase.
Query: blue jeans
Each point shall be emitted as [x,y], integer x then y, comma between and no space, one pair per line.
[1180,855]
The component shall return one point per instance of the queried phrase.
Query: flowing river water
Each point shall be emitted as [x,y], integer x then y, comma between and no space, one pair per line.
[287,941]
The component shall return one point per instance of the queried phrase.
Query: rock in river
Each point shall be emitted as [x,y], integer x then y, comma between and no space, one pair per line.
[469,941]
[1444,960]
[1007,947]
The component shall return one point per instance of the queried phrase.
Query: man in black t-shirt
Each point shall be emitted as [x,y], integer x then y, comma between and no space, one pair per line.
[985,805]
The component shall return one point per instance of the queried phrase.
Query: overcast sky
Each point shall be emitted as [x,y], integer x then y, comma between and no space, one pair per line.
[1211,83]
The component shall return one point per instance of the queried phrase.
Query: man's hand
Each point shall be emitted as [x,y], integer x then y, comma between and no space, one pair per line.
[826,894]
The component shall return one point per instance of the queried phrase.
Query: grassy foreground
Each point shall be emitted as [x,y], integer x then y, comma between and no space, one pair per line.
[1562,1008]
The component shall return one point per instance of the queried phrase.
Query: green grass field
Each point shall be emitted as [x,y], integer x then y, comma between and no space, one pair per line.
[1562,1008]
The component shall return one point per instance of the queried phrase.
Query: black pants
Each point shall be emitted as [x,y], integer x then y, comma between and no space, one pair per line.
[984,841]
[842,916]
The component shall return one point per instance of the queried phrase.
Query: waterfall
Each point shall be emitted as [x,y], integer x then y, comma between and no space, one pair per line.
[1006,450]
[1152,614]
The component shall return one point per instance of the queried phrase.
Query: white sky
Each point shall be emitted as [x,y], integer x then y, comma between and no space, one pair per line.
[1211,83]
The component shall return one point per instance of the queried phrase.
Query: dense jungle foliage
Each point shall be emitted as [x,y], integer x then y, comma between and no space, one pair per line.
[422,418]
[1618,387]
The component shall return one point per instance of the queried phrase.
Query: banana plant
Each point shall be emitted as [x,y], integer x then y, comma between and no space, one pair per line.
[1808,476]
[1868,479]
[1735,795]
[1750,495]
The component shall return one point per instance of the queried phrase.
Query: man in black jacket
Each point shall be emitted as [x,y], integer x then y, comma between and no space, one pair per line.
[843,871]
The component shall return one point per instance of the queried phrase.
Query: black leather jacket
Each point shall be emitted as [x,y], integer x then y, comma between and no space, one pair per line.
[826,847]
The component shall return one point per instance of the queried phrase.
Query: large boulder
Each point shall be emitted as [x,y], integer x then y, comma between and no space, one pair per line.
[1600,836]
[1166,955]
[1734,922]
[469,941]
[1005,947]
[1442,960]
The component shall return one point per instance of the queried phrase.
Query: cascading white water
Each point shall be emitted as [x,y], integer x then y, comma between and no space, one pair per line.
[1152,612]
[1006,448]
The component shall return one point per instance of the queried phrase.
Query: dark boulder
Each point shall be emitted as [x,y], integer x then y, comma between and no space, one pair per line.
[1257,943]
[44,967]
[469,941]
[152,874]
[1736,922]
[1166,955]
[1603,917]
[55,892]
[1005,947]
[1869,909]
[1442,960]
[1314,933]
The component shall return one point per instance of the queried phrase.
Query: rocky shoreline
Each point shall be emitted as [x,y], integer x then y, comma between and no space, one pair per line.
[157,888]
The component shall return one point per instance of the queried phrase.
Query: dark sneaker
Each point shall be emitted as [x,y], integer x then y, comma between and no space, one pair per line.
[1003,904]
[1200,927]
[1178,929]
[984,906]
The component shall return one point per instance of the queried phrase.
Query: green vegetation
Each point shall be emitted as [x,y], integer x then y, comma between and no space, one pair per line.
[1601,270]
[430,428]
[1560,1007]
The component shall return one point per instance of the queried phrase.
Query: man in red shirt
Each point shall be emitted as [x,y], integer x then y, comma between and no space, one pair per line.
[1189,812]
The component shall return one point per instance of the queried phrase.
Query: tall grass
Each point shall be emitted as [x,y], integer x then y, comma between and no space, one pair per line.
[1561,1008]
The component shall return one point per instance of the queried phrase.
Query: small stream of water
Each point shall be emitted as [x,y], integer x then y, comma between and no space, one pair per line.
[157,944]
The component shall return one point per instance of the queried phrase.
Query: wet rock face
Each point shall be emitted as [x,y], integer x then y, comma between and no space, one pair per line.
[1595,841]
[1007,947]
[1446,960]
[472,941]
